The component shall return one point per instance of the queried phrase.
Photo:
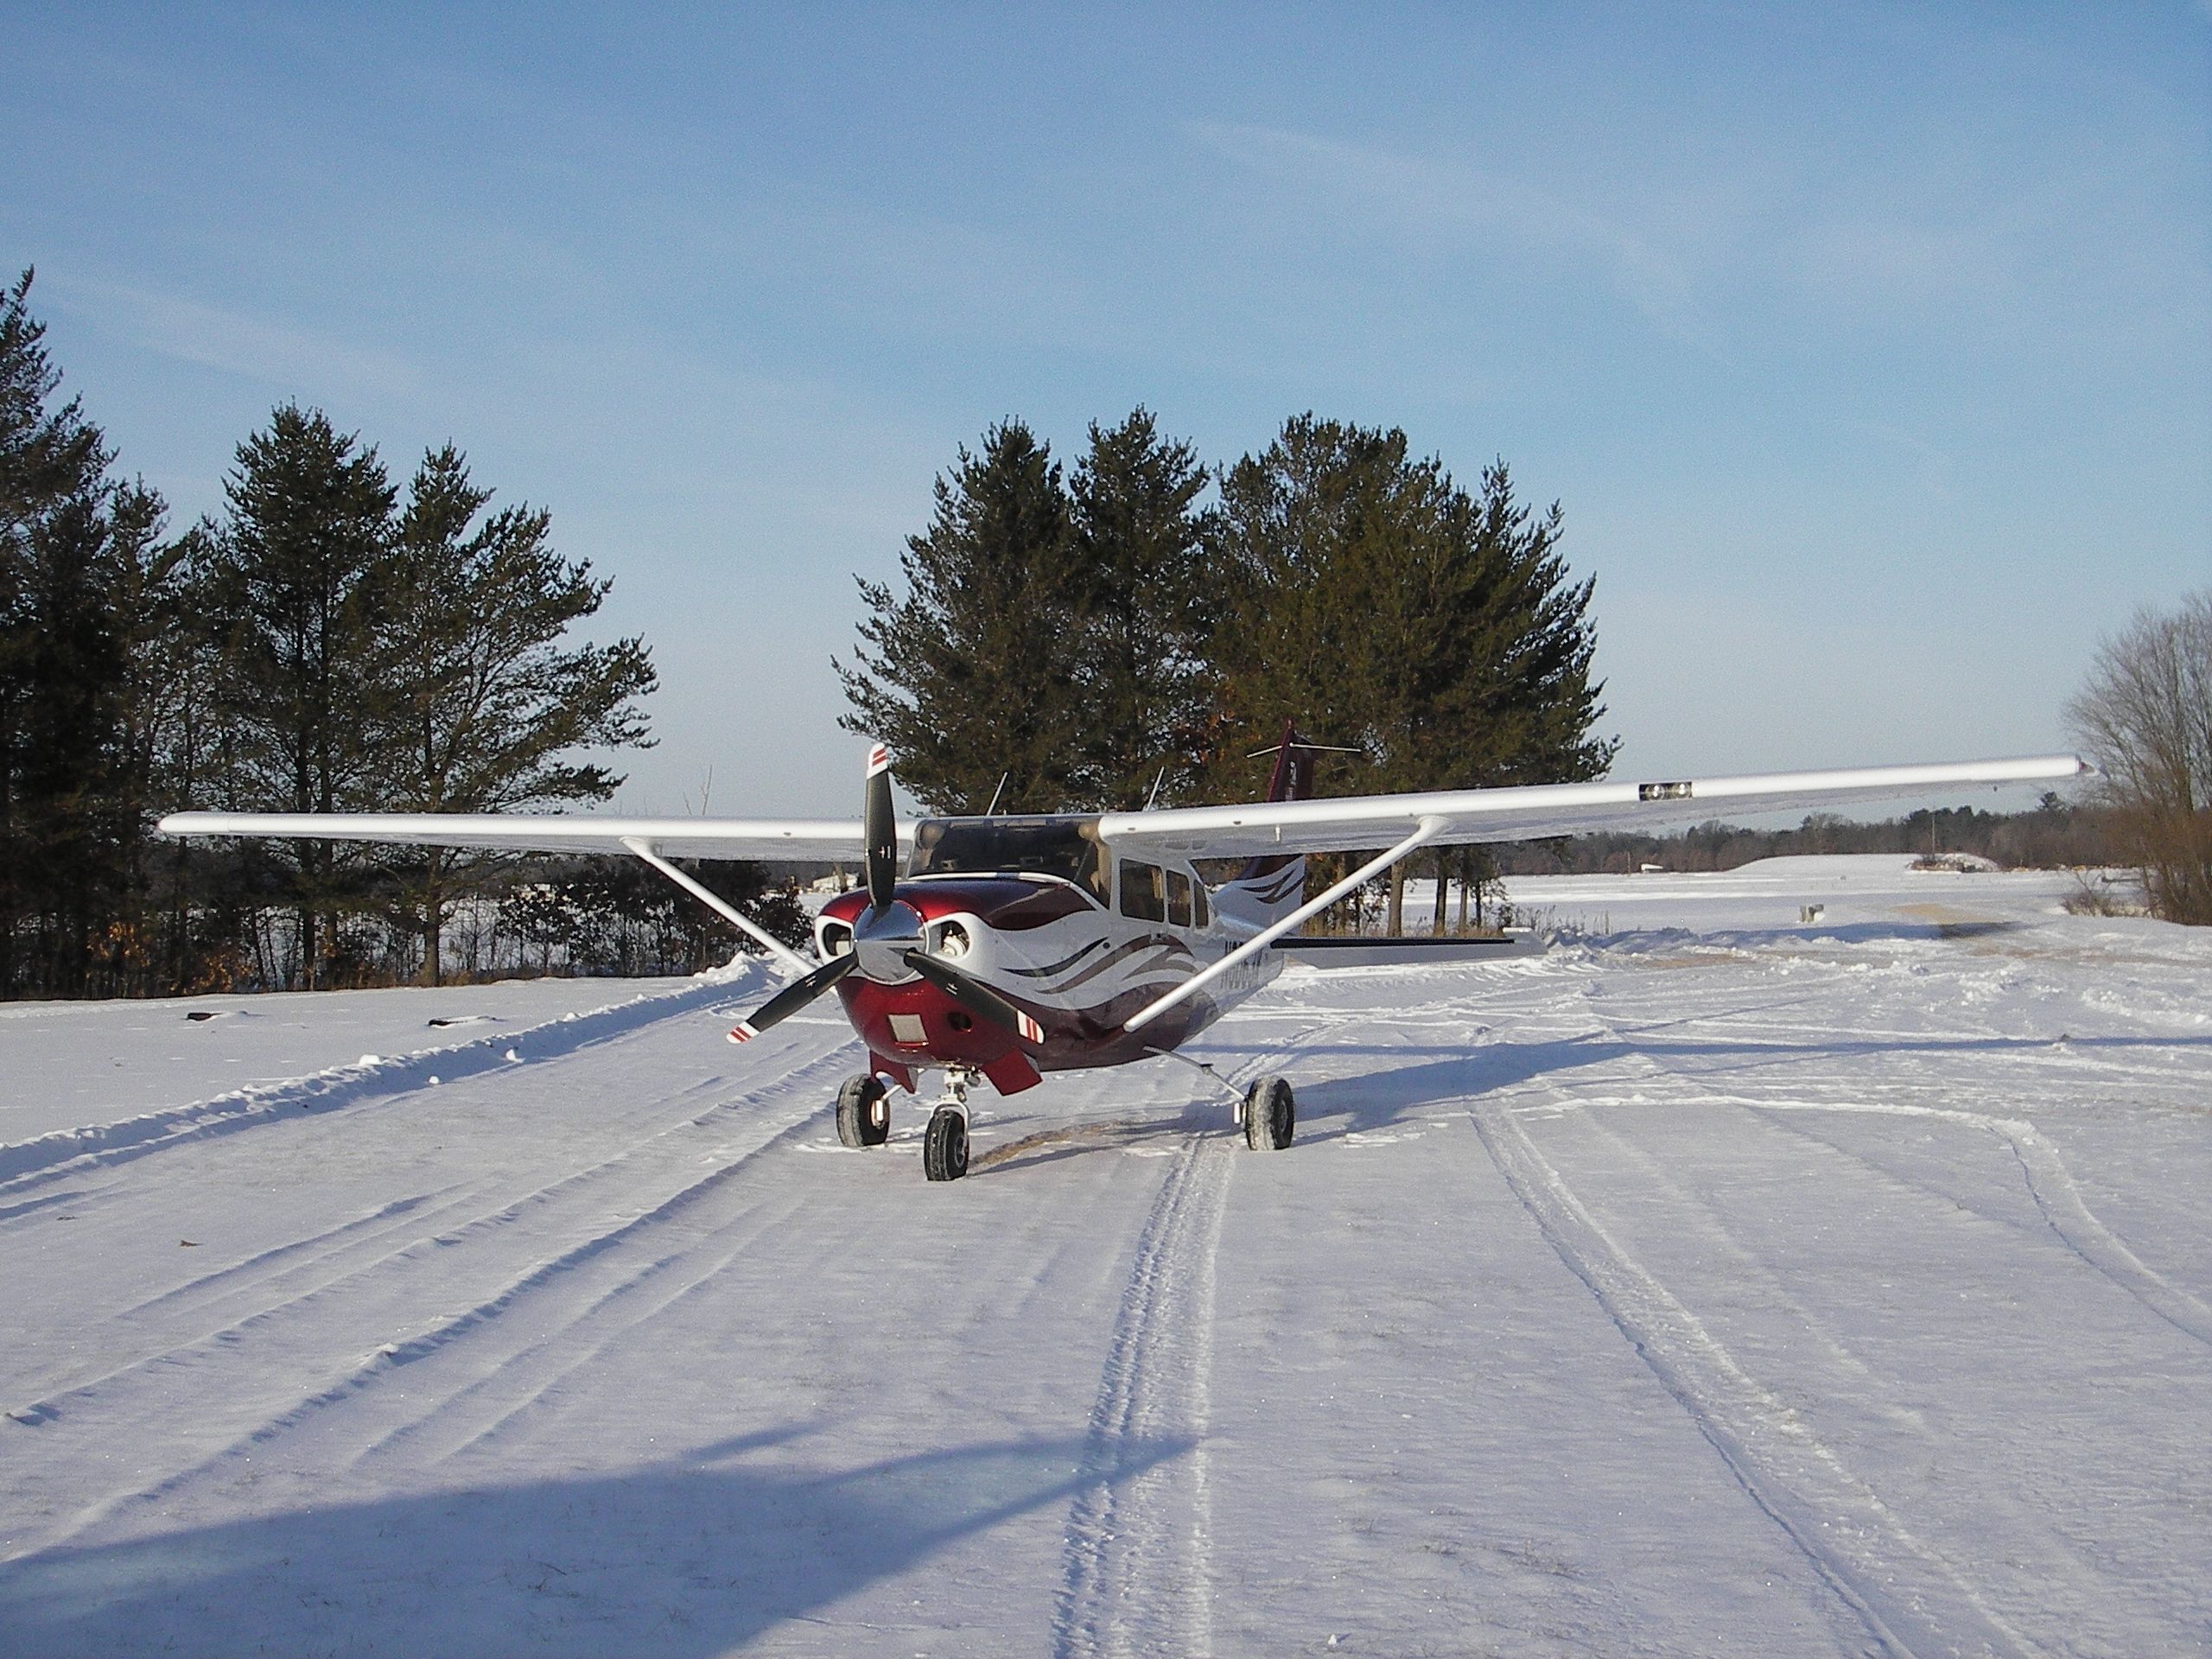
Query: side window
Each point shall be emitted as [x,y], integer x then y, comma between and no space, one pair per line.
[1198,904]
[1178,899]
[1142,896]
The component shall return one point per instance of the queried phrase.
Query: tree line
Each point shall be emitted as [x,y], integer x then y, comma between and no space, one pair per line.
[2055,834]
[1108,636]
[1133,630]
[332,639]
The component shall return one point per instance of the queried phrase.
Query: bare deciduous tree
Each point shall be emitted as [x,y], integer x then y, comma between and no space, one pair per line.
[2145,717]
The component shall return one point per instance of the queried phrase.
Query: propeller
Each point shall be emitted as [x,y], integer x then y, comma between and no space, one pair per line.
[793,997]
[880,831]
[975,997]
[885,932]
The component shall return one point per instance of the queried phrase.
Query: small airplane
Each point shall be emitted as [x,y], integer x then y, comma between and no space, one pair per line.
[1017,945]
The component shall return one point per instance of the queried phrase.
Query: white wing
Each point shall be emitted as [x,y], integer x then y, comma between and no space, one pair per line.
[794,838]
[1455,817]
[1353,822]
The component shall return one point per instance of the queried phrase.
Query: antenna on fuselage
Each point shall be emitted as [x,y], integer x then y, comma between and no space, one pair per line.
[993,807]
[1150,799]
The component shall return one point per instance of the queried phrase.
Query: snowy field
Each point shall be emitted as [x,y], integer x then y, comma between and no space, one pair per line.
[1715,1284]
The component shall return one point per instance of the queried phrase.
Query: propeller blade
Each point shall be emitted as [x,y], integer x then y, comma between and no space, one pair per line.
[977,999]
[881,831]
[793,997]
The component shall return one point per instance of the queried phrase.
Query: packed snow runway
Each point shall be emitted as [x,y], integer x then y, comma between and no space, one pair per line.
[1734,1285]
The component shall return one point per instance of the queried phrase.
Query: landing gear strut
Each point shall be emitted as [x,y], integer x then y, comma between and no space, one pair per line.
[1268,1114]
[864,1111]
[944,1148]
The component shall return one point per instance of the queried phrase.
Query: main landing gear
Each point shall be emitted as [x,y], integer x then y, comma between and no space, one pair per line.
[1265,1112]
[864,1111]
[1268,1114]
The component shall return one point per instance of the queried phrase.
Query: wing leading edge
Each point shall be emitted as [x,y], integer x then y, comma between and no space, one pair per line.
[1456,816]
[796,838]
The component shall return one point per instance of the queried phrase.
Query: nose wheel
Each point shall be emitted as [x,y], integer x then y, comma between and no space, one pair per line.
[944,1145]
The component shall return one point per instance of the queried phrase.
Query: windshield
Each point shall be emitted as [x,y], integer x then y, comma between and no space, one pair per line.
[1068,847]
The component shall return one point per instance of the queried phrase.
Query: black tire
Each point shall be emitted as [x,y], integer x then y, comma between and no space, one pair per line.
[1271,1115]
[864,1111]
[944,1148]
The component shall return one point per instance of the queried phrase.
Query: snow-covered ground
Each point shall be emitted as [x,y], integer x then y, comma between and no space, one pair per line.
[1714,1284]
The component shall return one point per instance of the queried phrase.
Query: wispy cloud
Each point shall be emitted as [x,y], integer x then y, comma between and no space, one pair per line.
[254,348]
[1464,202]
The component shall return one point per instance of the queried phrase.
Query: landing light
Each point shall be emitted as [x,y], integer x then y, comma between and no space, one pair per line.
[952,942]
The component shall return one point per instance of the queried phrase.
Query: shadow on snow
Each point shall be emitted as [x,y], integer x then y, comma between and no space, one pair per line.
[689,1558]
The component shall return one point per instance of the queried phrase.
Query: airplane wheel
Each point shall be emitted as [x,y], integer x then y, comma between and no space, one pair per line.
[944,1148]
[1269,1115]
[864,1111]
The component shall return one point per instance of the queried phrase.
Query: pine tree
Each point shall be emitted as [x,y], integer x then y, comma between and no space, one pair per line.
[1523,703]
[1141,563]
[974,672]
[162,631]
[479,708]
[1335,562]
[293,573]
[60,664]
[1377,604]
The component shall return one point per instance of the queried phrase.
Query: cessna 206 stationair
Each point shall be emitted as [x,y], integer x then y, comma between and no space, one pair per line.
[1015,945]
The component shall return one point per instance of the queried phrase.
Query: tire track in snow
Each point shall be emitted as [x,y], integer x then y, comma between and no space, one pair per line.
[1140,1525]
[1914,1600]
[238,1299]
[2050,1183]
[99,1145]
[63,1413]
[1853,1399]
[392,1357]
[515,1374]
[278,1260]
[2057,1196]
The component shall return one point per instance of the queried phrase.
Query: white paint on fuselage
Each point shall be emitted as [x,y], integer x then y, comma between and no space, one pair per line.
[1082,962]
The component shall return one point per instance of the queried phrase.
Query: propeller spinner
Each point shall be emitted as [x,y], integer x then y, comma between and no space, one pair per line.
[886,936]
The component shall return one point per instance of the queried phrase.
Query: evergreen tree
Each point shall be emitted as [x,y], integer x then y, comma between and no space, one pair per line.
[161,698]
[60,664]
[1335,561]
[1524,704]
[974,671]
[1140,566]
[480,707]
[292,573]
[1377,604]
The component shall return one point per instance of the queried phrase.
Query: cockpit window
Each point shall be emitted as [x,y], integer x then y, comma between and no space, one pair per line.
[1142,895]
[1178,899]
[1068,847]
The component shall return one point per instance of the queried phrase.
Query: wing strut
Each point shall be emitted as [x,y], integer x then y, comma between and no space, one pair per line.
[1430,829]
[714,902]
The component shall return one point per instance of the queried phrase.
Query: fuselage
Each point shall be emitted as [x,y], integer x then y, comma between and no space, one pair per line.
[1042,911]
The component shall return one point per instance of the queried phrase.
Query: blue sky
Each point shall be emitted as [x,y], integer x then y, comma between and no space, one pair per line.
[1867,348]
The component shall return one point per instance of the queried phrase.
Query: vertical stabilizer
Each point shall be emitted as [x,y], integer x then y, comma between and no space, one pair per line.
[1271,886]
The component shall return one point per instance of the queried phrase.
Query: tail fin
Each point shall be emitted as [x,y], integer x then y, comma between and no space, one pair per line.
[1293,779]
[1272,886]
